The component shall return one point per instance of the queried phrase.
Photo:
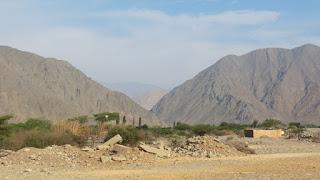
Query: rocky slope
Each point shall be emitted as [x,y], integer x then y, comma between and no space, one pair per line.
[33,86]
[264,83]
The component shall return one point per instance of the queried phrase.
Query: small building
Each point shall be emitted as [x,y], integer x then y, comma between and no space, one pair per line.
[257,133]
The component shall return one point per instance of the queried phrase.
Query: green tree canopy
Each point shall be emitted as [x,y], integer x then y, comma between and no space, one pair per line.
[272,123]
[107,116]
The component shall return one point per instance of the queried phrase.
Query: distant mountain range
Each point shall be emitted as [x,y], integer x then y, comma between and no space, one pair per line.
[33,86]
[265,83]
[146,95]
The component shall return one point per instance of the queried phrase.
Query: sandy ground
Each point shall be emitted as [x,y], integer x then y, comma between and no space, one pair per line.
[297,163]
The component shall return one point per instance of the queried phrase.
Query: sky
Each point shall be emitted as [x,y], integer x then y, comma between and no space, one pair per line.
[160,42]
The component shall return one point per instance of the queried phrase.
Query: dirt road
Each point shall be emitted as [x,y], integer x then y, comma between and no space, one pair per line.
[269,166]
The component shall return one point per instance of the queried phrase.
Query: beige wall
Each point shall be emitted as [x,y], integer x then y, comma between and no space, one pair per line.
[257,133]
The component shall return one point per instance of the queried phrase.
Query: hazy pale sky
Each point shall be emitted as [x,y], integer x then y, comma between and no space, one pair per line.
[160,42]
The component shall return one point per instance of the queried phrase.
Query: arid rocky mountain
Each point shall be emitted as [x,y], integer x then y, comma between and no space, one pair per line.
[33,86]
[150,98]
[146,95]
[265,83]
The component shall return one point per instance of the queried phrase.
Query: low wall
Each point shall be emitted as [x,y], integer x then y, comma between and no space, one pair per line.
[257,133]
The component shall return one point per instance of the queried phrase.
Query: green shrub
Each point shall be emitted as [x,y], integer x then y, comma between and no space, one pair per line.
[160,131]
[129,134]
[80,119]
[182,126]
[37,124]
[272,123]
[202,129]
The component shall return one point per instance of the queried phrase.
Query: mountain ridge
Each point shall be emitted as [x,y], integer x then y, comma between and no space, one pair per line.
[256,85]
[33,86]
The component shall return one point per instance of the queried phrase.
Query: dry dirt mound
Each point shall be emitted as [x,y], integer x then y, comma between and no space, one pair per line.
[206,146]
[108,155]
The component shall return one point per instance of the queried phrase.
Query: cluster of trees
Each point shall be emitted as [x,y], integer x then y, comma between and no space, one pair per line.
[105,117]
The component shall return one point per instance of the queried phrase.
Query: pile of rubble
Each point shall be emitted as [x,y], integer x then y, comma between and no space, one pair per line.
[69,157]
[206,146]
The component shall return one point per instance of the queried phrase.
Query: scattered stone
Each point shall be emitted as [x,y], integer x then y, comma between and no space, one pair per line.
[44,170]
[33,157]
[152,150]
[27,170]
[116,139]
[119,158]
[26,149]
[67,146]
[4,163]
[105,159]
[87,149]
[4,153]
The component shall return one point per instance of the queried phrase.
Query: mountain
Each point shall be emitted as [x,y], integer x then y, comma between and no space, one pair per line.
[33,86]
[265,83]
[146,95]
[150,98]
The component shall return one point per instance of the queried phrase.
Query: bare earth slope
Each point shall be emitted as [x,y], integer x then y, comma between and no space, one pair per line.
[264,83]
[33,86]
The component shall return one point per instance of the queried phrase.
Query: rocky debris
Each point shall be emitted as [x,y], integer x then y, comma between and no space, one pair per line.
[105,159]
[121,149]
[206,146]
[4,153]
[153,150]
[116,139]
[87,149]
[33,157]
[119,158]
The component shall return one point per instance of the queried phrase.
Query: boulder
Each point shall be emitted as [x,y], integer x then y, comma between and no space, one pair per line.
[118,158]
[116,139]
[152,150]
[120,148]
[87,149]
[105,159]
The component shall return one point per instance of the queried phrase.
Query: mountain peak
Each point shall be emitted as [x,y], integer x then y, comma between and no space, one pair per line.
[265,83]
[37,87]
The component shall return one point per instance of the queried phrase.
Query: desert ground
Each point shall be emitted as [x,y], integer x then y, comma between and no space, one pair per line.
[274,159]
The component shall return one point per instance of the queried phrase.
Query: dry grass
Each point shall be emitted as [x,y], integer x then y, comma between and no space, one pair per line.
[72,127]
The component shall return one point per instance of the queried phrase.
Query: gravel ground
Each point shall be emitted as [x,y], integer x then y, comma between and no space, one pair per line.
[275,159]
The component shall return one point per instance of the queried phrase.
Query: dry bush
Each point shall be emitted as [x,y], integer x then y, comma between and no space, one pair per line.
[101,129]
[37,138]
[73,127]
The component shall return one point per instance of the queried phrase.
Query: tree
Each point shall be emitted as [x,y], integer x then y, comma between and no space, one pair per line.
[124,120]
[272,123]
[104,117]
[80,119]
[4,119]
[254,124]
[140,122]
